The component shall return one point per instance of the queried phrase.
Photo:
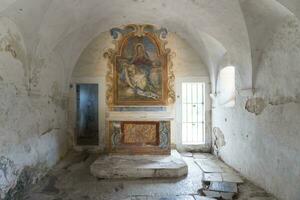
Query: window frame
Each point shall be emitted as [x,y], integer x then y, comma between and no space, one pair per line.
[188,117]
[177,133]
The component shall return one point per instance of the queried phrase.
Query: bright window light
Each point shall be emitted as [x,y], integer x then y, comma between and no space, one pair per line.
[193,113]
[227,86]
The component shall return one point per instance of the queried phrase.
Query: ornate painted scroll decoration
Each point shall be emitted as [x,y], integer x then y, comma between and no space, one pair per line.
[116,135]
[140,71]
[164,131]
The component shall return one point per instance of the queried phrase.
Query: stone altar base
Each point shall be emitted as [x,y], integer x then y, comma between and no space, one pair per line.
[139,166]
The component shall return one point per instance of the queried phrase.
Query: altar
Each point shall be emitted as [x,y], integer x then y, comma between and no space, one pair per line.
[140,133]
[139,90]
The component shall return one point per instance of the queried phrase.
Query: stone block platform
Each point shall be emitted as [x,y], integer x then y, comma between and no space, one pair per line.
[139,166]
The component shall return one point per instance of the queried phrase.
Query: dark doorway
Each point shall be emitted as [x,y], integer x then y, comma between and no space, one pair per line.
[87,123]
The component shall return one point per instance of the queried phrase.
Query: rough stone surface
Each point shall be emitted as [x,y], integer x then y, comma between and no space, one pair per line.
[212,177]
[255,105]
[218,195]
[71,179]
[215,170]
[208,166]
[223,187]
[265,147]
[219,140]
[32,123]
[146,166]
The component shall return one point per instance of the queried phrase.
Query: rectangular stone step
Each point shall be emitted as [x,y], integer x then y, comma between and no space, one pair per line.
[223,187]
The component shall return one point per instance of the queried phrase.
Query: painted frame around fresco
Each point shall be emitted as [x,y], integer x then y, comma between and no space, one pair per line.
[123,39]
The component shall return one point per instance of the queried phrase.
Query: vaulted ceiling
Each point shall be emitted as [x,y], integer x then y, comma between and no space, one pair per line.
[217,30]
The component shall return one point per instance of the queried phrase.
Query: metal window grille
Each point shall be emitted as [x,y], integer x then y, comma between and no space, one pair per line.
[193,113]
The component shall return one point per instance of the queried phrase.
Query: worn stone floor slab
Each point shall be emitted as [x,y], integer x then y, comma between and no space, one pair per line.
[231,177]
[187,154]
[208,166]
[183,197]
[223,187]
[179,197]
[212,177]
[223,195]
[215,170]
[202,156]
[141,166]
[227,177]
[197,197]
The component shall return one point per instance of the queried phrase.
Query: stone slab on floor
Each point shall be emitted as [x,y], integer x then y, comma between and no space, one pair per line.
[186,154]
[212,177]
[203,156]
[231,177]
[181,197]
[208,166]
[225,177]
[197,197]
[223,187]
[218,195]
[215,170]
[139,166]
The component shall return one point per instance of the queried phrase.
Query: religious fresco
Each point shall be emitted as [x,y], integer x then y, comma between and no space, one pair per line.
[140,70]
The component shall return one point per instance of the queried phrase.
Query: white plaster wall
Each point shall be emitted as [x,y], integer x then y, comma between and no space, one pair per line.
[32,123]
[262,132]
[187,65]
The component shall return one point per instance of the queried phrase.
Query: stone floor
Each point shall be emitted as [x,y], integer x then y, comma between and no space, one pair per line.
[71,180]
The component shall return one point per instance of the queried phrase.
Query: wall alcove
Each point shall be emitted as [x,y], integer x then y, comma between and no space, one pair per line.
[169,56]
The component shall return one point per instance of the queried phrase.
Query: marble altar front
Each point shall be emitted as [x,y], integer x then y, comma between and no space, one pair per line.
[134,133]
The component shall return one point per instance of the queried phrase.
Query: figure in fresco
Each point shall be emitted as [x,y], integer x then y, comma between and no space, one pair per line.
[138,73]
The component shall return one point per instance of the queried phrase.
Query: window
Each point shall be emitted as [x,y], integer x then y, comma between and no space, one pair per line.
[227,86]
[193,113]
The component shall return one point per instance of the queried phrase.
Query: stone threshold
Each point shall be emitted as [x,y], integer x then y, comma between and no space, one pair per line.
[139,166]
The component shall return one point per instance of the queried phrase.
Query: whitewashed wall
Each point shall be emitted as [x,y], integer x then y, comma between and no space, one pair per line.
[32,123]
